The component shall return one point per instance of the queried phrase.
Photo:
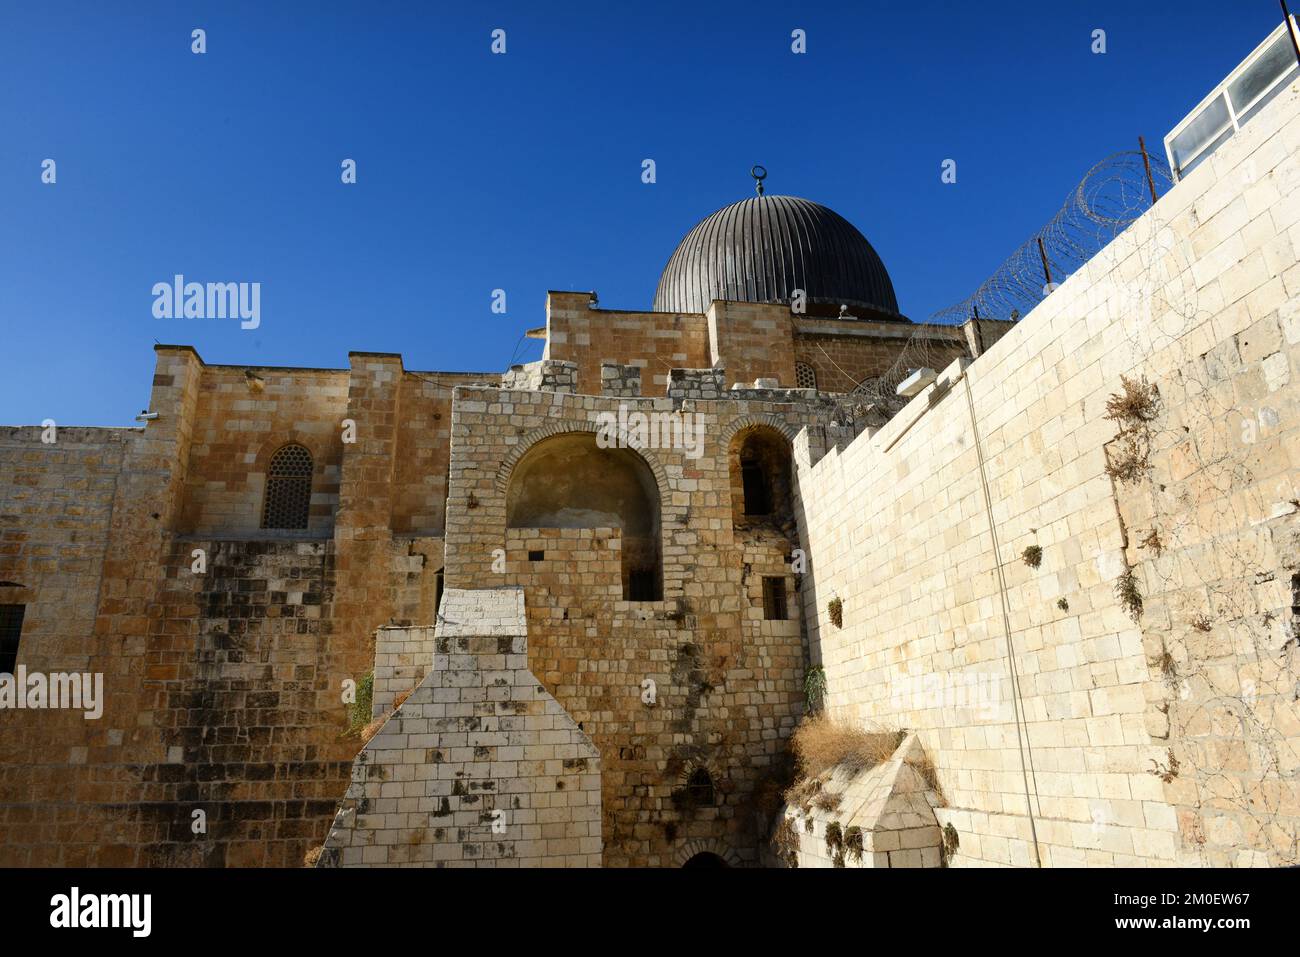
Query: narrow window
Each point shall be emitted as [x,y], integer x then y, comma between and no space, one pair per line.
[774,598]
[700,786]
[11,627]
[288,489]
[437,591]
[757,499]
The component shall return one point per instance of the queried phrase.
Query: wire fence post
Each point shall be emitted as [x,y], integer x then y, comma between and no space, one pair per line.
[1047,270]
[1146,164]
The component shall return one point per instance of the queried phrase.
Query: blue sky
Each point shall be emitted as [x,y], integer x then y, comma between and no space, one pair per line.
[522,172]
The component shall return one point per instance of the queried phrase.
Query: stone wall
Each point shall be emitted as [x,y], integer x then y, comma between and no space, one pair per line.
[1112,734]
[479,767]
[56,504]
[222,679]
[728,683]
[419,500]
[752,341]
[657,341]
[697,383]
[621,380]
[242,416]
[843,352]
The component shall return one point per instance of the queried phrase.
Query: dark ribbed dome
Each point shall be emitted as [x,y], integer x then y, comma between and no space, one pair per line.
[760,249]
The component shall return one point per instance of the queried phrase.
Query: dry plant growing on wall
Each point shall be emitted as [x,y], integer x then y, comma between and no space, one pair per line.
[835,607]
[821,743]
[1134,407]
[924,766]
[1152,541]
[1130,598]
[1137,402]
[786,842]
[1219,494]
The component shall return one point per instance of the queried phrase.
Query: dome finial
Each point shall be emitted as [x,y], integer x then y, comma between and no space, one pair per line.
[759,173]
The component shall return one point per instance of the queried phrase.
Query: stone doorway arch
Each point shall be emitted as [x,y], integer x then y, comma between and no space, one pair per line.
[687,854]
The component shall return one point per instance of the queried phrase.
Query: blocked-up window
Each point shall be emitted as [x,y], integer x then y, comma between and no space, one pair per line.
[11,627]
[804,376]
[288,489]
[774,598]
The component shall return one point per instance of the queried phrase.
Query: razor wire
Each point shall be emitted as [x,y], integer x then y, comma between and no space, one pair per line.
[1110,197]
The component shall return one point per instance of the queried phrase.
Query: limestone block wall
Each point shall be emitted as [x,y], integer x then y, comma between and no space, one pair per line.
[223,684]
[843,352]
[68,778]
[729,685]
[423,439]
[416,564]
[752,341]
[242,416]
[617,379]
[550,375]
[1161,734]
[246,679]
[656,341]
[524,376]
[480,766]
[403,656]
[56,504]
[697,383]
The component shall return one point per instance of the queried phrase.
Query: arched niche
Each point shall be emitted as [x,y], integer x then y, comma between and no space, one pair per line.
[761,485]
[569,481]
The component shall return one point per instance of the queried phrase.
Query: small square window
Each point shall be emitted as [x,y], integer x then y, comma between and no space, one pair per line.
[537,556]
[774,598]
[11,627]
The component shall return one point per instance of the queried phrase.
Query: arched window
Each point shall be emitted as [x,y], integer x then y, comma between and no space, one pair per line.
[700,786]
[288,489]
[760,477]
[804,376]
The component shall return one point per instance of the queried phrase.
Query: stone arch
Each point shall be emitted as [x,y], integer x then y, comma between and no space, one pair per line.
[712,845]
[507,467]
[705,859]
[569,479]
[266,451]
[770,420]
[760,463]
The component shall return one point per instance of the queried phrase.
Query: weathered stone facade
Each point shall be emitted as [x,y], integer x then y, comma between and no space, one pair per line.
[1151,713]
[669,502]
[479,766]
